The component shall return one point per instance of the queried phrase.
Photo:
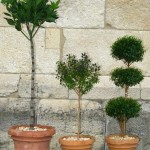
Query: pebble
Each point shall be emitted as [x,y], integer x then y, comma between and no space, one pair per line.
[126,137]
[75,139]
[28,129]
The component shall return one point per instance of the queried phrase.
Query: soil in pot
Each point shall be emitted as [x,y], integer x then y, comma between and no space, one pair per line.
[73,143]
[25,139]
[117,142]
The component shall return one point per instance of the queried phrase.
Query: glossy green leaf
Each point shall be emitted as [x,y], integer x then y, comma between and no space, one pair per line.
[10,21]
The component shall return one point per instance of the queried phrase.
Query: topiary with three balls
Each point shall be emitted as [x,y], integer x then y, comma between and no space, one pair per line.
[128,49]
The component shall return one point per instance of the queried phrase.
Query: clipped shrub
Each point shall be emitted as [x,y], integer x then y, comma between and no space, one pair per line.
[121,107]
[126,76]
[128,49]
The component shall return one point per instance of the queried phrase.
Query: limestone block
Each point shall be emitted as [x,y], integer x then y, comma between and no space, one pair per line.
[5,141]
[46,61]
[81,14]
[14,51]
[3,22]
[62,114]
[52,38]
[18,105]
[106,89]
[24,86]
[3,104]
[15,56]
[97,44]
[9,84]
[128,14]
[145,106]
[45,58]
[145,88]
[16,112]
[47,86]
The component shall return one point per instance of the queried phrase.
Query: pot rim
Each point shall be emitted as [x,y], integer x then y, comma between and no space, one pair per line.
[118,141]
[66,142]
[14,132]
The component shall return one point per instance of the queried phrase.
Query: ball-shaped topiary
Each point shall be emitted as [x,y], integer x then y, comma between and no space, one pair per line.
[128,48]
[126,76]
[79,75]
[121,107]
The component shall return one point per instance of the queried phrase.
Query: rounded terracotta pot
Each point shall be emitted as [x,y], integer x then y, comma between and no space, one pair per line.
[77,145]
[31,140]
[128,144]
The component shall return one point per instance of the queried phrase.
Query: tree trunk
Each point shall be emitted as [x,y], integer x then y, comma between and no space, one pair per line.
[32,102]
[122,125]
[79,115]
[126,91]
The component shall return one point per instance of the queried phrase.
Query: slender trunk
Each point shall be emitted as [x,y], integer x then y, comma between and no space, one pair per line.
[79,115]
[122,125]
[32,102]
[126,91]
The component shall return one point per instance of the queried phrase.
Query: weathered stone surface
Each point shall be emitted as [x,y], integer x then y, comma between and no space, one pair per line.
[18,105]
[62,114]
[15,112]
[53,38]
[24,86]
[3,22]
[145,106]
[9,84]
[145,88]
[106,89]
[3,104]
[14,51]
[5,141]
[15,58]
[81,14]
[45,58]
[97,44]
[46,61]
[128,14]
[47,86]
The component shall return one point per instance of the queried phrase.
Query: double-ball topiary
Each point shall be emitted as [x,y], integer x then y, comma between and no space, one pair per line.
[129,49]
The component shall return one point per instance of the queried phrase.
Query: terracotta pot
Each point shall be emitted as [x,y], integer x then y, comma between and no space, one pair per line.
[31,140]
[77,145]
[116,144]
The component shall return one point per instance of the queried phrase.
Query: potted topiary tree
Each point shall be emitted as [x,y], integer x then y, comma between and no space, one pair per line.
[129,49]
[30,15]
[79,75]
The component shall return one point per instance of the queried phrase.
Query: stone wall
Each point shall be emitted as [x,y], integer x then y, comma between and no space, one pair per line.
[83,26]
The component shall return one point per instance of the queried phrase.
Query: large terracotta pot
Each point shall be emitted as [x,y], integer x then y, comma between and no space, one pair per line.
[31,140]
[127,144]
[77,145]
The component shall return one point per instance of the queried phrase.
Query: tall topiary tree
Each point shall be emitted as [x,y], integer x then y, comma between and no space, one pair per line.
[30,14]
[79,75]
[129,49]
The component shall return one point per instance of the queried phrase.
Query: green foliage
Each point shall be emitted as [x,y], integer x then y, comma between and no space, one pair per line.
[121,107]
[128,48]
[78,74]
[35,12]
[128,76]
